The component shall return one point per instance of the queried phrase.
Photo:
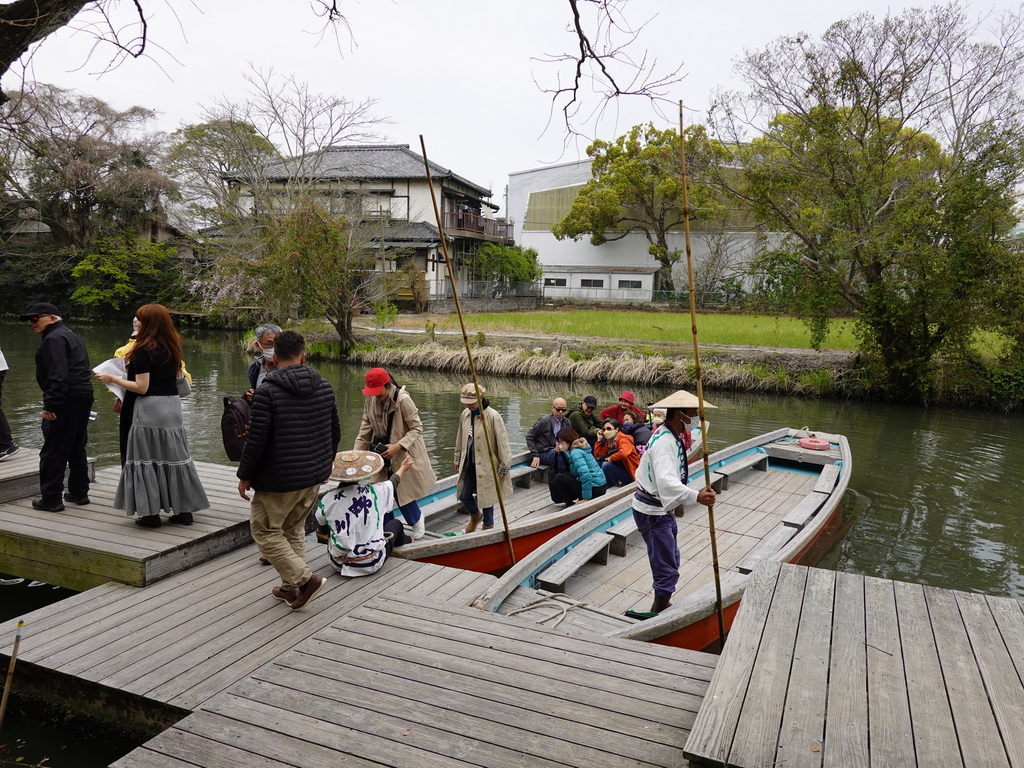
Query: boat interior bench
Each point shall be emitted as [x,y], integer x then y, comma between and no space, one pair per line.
[595,547]
[799,515]
[769,546]
[828,478]
[522,475]
[440,508]
[622,530]
[757,461]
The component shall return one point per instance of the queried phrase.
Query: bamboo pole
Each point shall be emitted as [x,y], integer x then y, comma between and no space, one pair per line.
[10,672]
[469,352]
[700,385]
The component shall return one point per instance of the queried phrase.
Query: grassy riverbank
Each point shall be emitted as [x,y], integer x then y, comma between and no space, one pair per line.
[749,353]
[646,327]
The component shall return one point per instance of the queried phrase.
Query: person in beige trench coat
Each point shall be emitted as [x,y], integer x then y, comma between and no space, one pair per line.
[405,438]
[476,487]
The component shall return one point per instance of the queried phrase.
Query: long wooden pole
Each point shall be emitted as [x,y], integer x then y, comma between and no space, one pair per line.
[700,384]
[10,673]
[469,352]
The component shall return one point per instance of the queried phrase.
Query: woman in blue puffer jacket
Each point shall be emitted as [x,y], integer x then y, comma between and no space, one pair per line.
[576,473]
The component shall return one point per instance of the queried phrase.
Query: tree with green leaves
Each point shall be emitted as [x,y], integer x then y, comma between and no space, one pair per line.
[888,163]
[506,265]
[119,268]
[317,264]
[262,201]
[636,187]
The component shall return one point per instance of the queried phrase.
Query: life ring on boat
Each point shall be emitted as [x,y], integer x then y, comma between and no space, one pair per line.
[813,444]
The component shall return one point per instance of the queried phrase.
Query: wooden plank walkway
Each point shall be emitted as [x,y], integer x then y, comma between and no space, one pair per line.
[188,637]
[19,475]
[835,669]
[84,547]
[406,681]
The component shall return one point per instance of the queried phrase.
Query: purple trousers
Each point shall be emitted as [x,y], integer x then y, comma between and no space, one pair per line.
[659,534]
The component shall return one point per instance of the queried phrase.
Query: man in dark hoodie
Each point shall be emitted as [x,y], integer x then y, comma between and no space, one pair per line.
[289,450]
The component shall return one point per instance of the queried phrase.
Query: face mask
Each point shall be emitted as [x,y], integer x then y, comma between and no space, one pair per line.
[658,421]
[609,432]
[268,353]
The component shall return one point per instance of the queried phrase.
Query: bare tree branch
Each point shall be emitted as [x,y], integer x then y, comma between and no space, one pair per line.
[603,63]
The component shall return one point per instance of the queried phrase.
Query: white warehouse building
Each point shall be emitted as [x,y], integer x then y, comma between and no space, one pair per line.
[620,271]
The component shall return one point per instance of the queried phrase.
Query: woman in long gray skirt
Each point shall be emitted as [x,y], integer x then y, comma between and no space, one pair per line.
[158,473]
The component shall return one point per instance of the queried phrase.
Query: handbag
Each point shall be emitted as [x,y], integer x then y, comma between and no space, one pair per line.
[184,388]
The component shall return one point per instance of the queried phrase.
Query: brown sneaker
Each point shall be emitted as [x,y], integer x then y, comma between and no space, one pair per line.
[288,595]
[308,591]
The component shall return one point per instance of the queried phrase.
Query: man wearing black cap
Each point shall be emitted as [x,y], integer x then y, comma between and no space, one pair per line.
[584,419]
[65,376]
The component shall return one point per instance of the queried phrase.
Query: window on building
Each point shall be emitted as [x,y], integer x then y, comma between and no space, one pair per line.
[554,282]
[588,283]
[630,284]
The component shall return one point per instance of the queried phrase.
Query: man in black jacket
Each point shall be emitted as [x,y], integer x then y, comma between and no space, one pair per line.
[541,438]
[65,377]
[288,453]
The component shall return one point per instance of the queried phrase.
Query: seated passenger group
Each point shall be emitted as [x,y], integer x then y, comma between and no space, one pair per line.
[588,452]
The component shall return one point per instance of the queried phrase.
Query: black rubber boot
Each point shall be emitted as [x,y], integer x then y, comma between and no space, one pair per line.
[661,602]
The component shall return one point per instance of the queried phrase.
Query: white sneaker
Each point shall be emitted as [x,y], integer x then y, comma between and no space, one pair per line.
[418,529]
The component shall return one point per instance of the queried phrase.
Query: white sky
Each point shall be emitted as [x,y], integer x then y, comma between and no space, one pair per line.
[459,73]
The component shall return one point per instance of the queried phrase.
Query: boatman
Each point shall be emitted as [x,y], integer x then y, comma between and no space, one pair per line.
[661,487]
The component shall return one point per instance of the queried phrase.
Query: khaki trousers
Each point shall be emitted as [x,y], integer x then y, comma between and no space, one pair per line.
[278,524]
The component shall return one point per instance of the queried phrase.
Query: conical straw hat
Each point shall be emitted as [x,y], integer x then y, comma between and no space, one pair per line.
[681,399]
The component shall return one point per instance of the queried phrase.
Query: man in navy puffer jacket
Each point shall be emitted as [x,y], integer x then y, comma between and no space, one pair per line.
[289,450]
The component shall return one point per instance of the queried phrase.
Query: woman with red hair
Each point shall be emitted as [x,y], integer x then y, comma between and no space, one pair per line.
[158,473]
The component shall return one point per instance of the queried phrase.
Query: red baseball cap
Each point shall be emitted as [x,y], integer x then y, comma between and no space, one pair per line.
[376,380]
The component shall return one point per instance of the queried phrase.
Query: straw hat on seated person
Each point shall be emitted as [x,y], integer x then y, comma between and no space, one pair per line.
[353,466]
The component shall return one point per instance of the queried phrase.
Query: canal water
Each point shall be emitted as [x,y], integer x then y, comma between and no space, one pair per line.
[934,496]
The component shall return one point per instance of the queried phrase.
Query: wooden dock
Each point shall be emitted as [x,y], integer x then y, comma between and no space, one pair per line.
[834,669]
[407,680]
[84,547]
[141,659]
[19,475]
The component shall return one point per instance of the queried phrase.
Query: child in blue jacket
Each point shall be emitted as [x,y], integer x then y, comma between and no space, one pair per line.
[575,473]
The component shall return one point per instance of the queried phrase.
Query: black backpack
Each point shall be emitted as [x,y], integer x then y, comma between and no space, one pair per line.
[233,426]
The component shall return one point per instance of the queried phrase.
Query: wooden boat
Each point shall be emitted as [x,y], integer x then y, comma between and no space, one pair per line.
[532,519]
[777,501]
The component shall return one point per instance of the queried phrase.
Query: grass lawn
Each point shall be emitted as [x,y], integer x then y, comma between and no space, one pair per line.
[742,330]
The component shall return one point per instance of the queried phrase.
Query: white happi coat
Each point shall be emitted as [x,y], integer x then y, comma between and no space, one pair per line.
[355,516]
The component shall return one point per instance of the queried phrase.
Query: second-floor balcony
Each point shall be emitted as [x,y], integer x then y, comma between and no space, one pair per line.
[480,227]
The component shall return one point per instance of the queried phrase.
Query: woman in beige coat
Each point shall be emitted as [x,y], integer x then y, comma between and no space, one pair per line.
[391,426]
[476,488]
